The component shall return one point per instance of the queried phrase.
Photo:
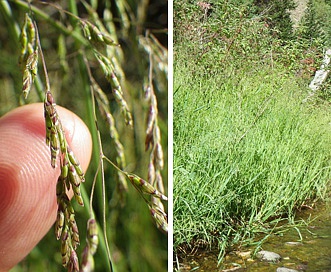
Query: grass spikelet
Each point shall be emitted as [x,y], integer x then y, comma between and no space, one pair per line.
[54,146]
[108,70]
[30,72]
[92,235]
[93,33]
[73,177]
[73,265]
[59,223]
[31,30]
[144,187]
[86,29]
[98,31]
[75,163]
[24,38]
[78,195]
[65,247]
[160,217]
[74,231]
[90,249]
[27,83]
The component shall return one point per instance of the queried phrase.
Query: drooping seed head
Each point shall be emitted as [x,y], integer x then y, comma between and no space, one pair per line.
[144,187]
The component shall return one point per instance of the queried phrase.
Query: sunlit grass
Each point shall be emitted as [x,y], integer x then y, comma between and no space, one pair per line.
[246,150]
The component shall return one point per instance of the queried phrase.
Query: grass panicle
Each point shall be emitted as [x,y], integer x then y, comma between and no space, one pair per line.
[71,173]
[29,54]
[153,137]
[83,39]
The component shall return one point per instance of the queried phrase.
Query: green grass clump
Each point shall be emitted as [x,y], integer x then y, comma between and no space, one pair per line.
[245,151]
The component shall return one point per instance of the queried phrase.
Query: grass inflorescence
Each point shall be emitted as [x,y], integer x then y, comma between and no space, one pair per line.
[89,47]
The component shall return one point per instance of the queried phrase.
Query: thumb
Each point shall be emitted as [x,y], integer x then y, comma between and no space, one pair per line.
[27,180]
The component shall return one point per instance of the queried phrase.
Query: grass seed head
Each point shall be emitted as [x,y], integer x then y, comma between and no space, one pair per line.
[24,37]
[144,187]
[151,119]
[59,223]
[73,265]
[92,235]
[151,173]
[32,62]
[77,194]
[86,29]
[65,168]
[160,218]
[27,83]
[159,156]
[54,146]
[31,29]
[65,251]
[73,177]
[76,164]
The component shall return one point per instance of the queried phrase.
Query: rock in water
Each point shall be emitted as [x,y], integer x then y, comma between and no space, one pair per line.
[284,269]
[268,256]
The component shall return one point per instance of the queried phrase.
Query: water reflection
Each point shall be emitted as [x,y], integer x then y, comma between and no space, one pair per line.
[307,248]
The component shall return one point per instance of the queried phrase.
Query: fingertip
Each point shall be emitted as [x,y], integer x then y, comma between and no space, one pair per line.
[28,182]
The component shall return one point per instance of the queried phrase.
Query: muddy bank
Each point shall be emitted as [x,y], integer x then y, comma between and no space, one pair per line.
[304,248]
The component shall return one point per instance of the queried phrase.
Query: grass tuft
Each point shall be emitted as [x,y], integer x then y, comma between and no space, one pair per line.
[247,153]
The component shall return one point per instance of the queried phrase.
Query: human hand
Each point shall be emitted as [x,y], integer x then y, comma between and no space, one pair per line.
[27,180]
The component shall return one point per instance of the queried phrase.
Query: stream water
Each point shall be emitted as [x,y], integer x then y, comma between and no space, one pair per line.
[307,248]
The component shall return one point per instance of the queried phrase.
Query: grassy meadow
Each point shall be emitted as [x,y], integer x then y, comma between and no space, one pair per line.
[249,147]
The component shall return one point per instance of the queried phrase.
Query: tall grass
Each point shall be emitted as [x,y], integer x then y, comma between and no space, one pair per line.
[245,151]
[248,151]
